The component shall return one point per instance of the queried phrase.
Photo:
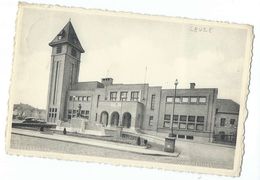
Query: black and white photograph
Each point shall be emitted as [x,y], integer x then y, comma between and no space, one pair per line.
[129,89]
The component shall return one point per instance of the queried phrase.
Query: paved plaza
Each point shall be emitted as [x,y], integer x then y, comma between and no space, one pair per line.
[206,155]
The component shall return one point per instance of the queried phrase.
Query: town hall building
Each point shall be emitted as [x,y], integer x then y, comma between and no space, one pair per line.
[134,107]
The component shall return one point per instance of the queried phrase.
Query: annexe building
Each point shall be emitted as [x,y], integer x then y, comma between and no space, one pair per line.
[135,107]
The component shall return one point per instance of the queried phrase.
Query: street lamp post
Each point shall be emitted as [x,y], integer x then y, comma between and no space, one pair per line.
[173,107]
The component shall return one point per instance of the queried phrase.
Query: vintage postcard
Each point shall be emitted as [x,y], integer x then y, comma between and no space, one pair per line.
[129,89]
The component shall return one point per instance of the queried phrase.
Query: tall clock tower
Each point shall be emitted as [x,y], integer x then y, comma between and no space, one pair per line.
[64,71]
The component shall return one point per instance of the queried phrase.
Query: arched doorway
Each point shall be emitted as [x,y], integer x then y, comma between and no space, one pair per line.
[104,118]
[114,119]
[126,120]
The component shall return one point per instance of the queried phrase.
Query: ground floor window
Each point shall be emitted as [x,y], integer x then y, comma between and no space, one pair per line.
[189,137]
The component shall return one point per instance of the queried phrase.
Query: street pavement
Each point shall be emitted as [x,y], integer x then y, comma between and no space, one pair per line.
[204,155]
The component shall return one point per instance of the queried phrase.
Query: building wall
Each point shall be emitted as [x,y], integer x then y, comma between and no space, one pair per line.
[227,128]
[205,110]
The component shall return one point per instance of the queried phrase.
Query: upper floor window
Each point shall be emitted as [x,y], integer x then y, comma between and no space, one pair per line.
[58,49]
[222,121]
[183,118]
[185,99]
[73,52]
[193,99]
[200,119]
[152,102]
[169,99]
[175,117]
[123,96]
[167,117]
[113,96]
[135,96]
[177,99]
[232,121]
[202,99]
[191,118]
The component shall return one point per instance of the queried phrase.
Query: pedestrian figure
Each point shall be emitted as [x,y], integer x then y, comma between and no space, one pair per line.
[64,131]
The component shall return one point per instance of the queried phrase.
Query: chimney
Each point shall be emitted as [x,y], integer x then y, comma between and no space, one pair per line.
[107,81]
[192,85]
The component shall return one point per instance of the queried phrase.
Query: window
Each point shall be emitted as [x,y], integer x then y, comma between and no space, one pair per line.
[166,122]
[185,99]
[88,98]
[69,114]
[199,127]
[150,120]
[167,117]
[169,99]
[80,98]
[193,99]
[123,96]
[181,136]
[135,96]
[175,125]
[222,121]
[232,121]
[113,96]
[177,99]
[183,118]
[73,52]
[52,113]
[202,100]
[182,126]
[71,98]
[152,102]
[189,137]
[191,118]
[200,119]
[175,117]
[85,114]
[191,126]
[84,98]
[58,49]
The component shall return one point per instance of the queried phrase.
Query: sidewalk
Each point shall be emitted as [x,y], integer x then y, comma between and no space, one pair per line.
[94,142]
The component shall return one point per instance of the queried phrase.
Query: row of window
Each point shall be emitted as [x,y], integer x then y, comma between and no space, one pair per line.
[184,118]
[224,123]
[74,113]
[73,51]
[123,96]
[181,136]
[184,126]
[80,98]
[186,99]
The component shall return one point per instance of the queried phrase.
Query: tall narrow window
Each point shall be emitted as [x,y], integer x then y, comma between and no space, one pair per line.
[71,74]
[153,102]
[55,82]
[58,49]
[98,97]
[222,121]
[150,120]
[73,52]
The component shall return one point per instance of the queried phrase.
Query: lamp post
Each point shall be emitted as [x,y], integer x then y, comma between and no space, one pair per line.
[173,107]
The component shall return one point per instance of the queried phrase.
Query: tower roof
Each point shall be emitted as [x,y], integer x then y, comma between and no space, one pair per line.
[67,35]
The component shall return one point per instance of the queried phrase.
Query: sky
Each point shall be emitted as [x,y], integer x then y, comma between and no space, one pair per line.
[122,47]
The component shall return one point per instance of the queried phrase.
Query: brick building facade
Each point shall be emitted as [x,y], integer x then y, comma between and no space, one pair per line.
[135,107]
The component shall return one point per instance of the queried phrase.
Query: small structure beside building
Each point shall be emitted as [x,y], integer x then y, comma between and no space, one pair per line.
[225,129]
